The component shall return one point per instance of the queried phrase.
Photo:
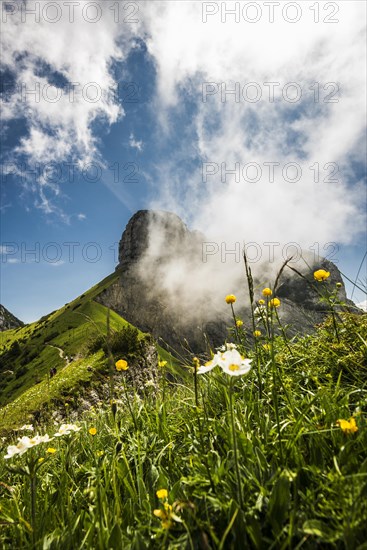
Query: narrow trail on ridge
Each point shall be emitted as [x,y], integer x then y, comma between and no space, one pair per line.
[61,354]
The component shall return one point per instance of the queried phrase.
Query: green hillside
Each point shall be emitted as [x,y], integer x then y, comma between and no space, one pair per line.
[60,340]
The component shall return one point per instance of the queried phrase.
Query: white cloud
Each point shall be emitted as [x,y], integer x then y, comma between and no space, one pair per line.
[189,53]
[81,216]
[135,144]
[60,119]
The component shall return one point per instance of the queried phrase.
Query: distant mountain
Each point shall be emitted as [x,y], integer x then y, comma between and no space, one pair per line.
[8,320]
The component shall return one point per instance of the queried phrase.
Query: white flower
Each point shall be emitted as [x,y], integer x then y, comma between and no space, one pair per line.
[203,369]
[234,364]
[260,311]
[25,443]
[12,450]
[27,427]
[65,429]
[231,362]
[227,347]
[42,438]
[231,346]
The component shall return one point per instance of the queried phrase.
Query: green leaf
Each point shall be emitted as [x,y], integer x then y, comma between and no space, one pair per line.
[253,529]
[319,529]
[279,504]
[115,539]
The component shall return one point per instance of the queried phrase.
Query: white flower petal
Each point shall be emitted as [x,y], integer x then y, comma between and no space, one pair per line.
[12,450]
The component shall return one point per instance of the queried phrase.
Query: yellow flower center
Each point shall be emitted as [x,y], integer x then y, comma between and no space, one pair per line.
[234,367]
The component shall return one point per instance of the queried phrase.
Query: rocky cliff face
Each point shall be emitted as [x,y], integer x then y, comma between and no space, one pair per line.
[157,250]
[139,295]
[8,320]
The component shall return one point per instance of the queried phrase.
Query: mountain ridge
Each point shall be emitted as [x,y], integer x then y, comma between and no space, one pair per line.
[8,320]
[141,296]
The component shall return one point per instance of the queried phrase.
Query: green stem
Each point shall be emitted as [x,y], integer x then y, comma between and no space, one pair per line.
[250,285]
[201,438]
[33,486]
[235,325]
[275,387]
[283,332]
[335,324]
[110,358]
[196,387]
[239,488]
[129,405]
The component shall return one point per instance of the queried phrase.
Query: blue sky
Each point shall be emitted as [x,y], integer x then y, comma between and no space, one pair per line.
[168,120]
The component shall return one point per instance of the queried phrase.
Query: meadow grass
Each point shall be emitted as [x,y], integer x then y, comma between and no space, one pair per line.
[70,328]
[273,459]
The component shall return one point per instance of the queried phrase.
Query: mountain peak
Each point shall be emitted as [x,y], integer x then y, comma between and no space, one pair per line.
[8,320]
[167,288]
[147,228]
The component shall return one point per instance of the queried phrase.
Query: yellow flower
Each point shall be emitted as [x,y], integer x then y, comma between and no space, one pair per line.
[266,347]
[239,323]
[165,518]
[261,302]
[162,493]
[257,333]
[275,302]
[41,460]
[92,431]
[100,453]
[267,292]
[51,450]
[162,364]
[348,426]
[321,275]
[121,365]
[230,299]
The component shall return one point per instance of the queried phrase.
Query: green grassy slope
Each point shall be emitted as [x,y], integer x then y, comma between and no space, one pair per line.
[60,340]
[28,353]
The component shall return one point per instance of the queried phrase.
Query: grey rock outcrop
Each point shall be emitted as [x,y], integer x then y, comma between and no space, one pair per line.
[156,240]
[138,295]
[8,320]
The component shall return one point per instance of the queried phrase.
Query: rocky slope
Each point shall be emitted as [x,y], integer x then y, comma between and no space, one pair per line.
[158,259]
[8,320]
